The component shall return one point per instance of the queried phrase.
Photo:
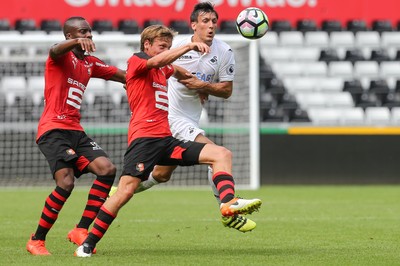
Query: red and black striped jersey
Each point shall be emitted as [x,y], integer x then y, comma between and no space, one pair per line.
[65,83]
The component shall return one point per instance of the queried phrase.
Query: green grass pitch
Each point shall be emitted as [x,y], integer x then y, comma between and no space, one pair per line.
[297,225]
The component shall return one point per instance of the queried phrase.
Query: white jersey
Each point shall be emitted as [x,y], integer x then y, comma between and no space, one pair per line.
[217,66]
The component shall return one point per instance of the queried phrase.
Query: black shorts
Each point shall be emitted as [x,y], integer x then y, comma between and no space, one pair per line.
[69,149]
[144,153]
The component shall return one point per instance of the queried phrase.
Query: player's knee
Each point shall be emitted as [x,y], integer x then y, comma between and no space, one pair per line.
[107,169]
[223,155]
[111,169]
[65,182]
[126,195]
[161,176]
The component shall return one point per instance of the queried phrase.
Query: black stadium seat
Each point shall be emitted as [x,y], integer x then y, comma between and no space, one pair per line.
[149,22]
[25,24]
[329,55]
[128,26]
[281,25]
[298,115]
[288,102]
[354,55]
[356,25]
[4,24]
[380,88]
[273,115]
[48,25]
[228,27]
[181,26]
[382,25]
[355,88]
[331,25]
[305,25]
[380,55]
[101,25]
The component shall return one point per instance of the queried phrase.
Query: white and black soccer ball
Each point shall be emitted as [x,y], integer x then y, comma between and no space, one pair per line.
[252,23]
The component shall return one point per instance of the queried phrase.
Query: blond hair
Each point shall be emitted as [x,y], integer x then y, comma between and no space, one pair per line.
[155,31]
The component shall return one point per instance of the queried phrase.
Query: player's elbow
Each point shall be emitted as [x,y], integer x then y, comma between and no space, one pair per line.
[227,94]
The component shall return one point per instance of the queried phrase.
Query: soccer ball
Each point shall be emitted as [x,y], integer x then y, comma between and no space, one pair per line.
[252,23]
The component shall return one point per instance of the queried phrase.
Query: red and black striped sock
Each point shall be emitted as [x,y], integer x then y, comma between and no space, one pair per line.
[97,196]
[225,186]
[53,205]
[100,227]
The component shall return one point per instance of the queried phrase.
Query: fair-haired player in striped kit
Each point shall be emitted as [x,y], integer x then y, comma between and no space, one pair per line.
[149,136]
[213,74]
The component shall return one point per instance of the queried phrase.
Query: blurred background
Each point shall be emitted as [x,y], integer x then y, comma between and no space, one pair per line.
[327,85]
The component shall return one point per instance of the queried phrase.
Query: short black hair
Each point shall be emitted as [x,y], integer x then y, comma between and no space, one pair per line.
[203,7]
[68,23]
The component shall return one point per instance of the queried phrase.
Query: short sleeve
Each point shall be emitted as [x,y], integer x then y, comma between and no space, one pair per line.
[101,69]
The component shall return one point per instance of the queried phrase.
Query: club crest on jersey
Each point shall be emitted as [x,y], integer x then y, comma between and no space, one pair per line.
[95,146]
[230,70]
[140,167]
[70,152]
[191,130]
[214,60]
[89,71]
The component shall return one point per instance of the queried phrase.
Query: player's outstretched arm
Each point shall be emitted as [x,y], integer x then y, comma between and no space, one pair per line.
[119,76]
[221,89]
[169,56]
[63,47]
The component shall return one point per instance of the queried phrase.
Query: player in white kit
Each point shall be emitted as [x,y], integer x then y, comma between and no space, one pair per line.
[208,74]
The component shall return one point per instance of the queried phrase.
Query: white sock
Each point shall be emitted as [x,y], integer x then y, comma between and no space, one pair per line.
[145,185]
[214,188]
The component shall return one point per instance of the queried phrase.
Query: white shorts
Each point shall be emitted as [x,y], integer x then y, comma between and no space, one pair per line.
[185,130]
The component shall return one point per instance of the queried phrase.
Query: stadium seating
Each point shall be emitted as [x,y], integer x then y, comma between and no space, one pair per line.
[382,25]
[379,55]
[354,55]
[377,116]
[342,39]
[319,39]
[4,25]
[149,22]
[356,68]
[22,25]
[269,40]
[49,25]
[281,25]
[228,27]
[331,26]
[181,26]
[101,25]
[353,67]
[128,26]
[356,25]
[328,55]
[306,25]
[352,117]
[291,39]
[35,88]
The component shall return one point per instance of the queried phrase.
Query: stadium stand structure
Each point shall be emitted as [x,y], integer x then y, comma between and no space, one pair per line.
[353,65]
[105,112]
[128,26]
[329,75]
[180,25]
